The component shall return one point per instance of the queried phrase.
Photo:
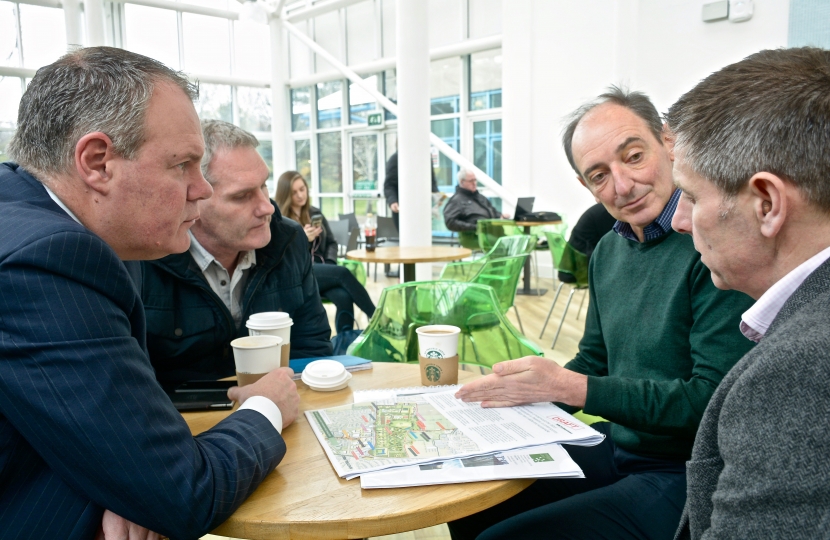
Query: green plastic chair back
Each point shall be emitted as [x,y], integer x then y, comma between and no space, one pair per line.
[469,240]
[567,259]
[503,275]
[490,230]
[487,337]
[355,267]
[506,246]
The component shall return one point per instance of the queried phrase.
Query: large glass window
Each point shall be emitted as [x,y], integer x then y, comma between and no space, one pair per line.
[251,50]
[10,93]
[331,207]
[445,85]
[5,137]
[254,108]
[44,35]
[365,162]
[485,18]
[446,170]
[444,22]
[215,102]
[331,162]
[206,44]
[152,32]
[302,156]
[300,109]
[361,103]
[329,103]
[299,54]
[487,147]
[327,35]
[9,47]
[361,28]
[485,80]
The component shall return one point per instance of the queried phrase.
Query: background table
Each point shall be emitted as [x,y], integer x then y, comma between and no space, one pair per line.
[304,497]
[526,290]
[408,256]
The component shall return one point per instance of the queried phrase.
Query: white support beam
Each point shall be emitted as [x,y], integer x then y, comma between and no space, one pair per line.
[94,19]
[382,64]
[17,72]
[319,8]
[280,116]
[411,26]
[229,80]
[183,7]
[43,3]
[73,16]
[387,104]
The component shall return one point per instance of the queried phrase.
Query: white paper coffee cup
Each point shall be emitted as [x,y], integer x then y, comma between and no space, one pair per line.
[438,340]
[255,356]
[273,323]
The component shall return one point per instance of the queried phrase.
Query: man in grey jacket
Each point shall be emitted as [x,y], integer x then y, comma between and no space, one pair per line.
[467,206]
[751,157]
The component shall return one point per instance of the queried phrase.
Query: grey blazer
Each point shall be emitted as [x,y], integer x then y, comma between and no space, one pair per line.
[760,465]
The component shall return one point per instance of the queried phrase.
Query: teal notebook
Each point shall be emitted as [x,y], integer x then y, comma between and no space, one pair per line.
[352,363]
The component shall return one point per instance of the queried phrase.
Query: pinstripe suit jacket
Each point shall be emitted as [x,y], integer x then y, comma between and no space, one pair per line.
[83,424]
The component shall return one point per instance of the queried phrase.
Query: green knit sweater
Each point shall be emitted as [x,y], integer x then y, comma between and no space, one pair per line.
[659,337]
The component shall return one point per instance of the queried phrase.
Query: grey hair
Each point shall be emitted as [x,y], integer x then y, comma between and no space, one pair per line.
[770,112]
[219,134]
[636,102]
[462,174]
[93,89]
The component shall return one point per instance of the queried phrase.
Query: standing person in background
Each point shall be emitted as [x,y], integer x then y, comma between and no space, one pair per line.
[390,187]
[335,282]
[467,206]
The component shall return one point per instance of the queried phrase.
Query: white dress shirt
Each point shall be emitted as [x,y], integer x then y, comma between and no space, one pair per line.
[260,404]
[756,320]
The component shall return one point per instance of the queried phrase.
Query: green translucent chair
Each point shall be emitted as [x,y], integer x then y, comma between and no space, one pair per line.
[490,230]
[569,260]
[505,247]
[355,267]
[502,275]
[469,240]
[487,337]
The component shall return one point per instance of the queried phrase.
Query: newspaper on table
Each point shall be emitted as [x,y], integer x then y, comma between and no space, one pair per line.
[408,429]
[550,461]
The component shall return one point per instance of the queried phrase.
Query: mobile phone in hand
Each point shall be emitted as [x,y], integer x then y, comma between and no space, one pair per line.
[317,221]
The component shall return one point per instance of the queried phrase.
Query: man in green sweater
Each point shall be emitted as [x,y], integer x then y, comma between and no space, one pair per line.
[658,339]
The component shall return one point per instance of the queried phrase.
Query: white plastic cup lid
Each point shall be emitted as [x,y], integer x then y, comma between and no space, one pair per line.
[269,319]
[325,374]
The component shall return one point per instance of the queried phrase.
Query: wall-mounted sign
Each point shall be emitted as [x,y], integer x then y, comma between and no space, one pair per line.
[375,120]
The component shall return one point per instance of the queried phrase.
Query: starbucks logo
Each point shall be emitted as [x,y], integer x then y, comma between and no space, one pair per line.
[434,353]
[433,373]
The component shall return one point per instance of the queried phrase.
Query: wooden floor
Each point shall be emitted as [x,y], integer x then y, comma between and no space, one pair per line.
[532,310]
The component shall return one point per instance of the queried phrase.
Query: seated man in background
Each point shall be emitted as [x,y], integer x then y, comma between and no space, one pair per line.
[752,162]
[107,148]
[593,224]
[467,205]
[659,336]
[244,258]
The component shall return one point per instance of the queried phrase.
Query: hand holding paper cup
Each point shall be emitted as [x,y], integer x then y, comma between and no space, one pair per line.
[438,354]
[255,356]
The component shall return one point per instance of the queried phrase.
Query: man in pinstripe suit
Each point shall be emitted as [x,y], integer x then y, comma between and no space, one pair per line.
[108,149]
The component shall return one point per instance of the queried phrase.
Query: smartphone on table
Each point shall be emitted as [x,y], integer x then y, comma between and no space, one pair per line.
[202,395]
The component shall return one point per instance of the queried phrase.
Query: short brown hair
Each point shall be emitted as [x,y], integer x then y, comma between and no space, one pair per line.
[769,112]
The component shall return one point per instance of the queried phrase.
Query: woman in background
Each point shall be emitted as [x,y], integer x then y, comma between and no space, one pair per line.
[335,282]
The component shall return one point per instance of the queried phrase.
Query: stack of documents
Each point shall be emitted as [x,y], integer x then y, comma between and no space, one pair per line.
[427,436]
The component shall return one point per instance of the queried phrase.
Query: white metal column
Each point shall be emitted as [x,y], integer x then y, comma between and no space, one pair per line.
[414,180]
[94,18]
[74,29]
[280,115]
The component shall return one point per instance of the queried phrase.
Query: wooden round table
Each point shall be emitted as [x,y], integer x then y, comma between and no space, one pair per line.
[408,256]
[304,497]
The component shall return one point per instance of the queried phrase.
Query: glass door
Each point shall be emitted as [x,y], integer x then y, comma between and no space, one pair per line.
[366,190]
